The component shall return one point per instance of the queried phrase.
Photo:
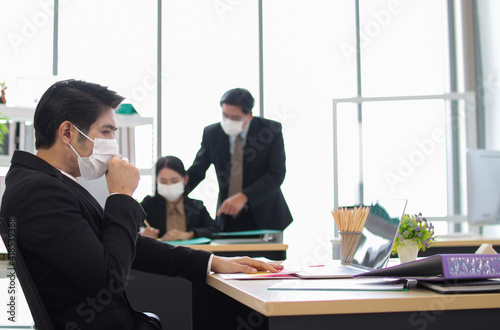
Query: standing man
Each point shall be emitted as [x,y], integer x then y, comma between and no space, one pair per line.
[81,253]
[249,158]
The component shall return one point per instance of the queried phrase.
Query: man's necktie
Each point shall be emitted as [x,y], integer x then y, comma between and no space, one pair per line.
[236,177]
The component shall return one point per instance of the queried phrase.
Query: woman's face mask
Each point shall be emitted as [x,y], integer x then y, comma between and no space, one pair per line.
[171,192]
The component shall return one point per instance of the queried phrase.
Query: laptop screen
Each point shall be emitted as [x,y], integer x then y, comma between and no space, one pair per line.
[378,235]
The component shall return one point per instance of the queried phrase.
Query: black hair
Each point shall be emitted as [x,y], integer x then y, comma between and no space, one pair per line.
[172,163]
[77,101]
[239,97]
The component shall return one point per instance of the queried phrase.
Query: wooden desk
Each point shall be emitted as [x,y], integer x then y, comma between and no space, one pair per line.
[171,297]
[249,305]
[466,244]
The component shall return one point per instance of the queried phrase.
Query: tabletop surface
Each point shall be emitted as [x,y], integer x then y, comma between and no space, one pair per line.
[255,294]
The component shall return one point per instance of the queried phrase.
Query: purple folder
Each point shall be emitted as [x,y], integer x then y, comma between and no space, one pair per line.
[445,266]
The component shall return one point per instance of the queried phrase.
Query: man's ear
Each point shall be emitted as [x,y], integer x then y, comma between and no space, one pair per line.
[249,119]
[65,132]
[186,179]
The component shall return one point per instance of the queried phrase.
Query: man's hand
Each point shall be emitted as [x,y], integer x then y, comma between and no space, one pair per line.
[233,205]
[242,265]
[122,177]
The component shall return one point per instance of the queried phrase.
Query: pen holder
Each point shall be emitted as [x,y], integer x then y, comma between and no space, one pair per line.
[348,243]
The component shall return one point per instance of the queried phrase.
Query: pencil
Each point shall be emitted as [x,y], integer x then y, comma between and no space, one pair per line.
[350,223]
[350,220]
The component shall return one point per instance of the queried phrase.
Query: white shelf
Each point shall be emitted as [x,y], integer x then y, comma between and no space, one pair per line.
[17,113]
[26,114]
[133,120]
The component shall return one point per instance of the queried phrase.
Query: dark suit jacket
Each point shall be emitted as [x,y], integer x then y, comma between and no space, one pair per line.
[80,255]
[197,217]
[263,170]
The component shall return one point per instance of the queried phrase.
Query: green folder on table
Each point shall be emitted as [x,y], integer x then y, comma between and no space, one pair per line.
[193,241]
[247,233]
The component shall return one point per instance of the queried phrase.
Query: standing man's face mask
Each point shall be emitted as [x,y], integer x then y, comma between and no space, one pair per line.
[94,166]
[232,127]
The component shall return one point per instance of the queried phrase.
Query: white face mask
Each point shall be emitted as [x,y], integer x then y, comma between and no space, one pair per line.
[232,127]
[171,192]
[94,166]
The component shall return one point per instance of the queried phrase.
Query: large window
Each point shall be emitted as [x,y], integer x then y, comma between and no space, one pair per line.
[409,148]
[402,56]
[208,48]
[26,47]
[304,69]
[308,58]
[399,56]
[116,48]
[403,47]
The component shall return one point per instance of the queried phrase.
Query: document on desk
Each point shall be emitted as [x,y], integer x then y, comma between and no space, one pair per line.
[351,284]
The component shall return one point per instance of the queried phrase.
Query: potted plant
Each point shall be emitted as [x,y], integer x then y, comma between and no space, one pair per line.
[3,87]
[4,129]
[414,234]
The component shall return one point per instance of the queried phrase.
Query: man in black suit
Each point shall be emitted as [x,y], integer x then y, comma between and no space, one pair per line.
[258,203]
[79,254]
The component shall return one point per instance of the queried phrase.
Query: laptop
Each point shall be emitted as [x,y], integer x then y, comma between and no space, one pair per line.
[375,244]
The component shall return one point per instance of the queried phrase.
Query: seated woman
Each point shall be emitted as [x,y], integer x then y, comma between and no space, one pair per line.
[171,215]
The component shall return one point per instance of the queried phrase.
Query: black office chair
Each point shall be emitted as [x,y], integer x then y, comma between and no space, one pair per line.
[35,303]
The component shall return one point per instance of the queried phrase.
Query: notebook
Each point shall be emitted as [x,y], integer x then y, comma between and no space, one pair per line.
[375,244]
[462,286]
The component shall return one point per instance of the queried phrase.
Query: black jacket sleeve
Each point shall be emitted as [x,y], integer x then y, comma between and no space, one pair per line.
[198,219]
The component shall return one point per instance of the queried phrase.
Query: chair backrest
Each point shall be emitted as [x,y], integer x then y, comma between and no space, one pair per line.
[35,303]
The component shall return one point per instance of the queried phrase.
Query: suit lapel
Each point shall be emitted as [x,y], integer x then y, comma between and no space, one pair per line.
[252,135]
[223,149]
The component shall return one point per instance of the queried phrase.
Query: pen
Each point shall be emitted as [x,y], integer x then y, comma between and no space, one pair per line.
[317,266]
[151,230]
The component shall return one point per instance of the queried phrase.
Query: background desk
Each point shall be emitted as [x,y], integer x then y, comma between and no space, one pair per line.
[249,305]
[171,297]
[467,244]
[450,244]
